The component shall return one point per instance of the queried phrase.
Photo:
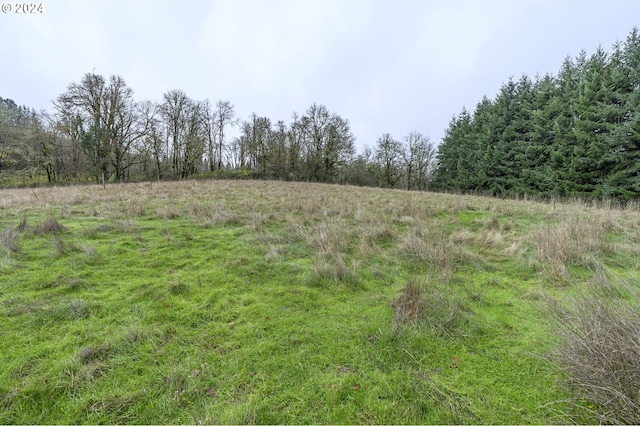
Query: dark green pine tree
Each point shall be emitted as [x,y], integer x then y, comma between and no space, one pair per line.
[521,137]
[468,160]
[577,134]
[623,178]
[450,154]
[592,126]
[499,134]
[562,108]
[483,134]
[539,177]
[511,134]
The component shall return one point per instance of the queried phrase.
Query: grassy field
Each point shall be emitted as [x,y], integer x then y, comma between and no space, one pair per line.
[268,302]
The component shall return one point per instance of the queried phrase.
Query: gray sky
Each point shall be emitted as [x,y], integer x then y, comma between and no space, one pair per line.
[385,65]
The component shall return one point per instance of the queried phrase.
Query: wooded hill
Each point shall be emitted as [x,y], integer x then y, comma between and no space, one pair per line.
[574,134]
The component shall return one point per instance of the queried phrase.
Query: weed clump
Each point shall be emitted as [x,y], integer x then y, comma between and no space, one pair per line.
[177,288]
[573,241]
[333,268]
[410,306]
[90,354]
[50,226]
[167,212]
[442,312]
[599,349]
[61,247]
[10,238]
[433,246]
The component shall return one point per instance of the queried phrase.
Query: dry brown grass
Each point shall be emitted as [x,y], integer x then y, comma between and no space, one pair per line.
[168,212]
[360,221]
[90,251]
[410,307]
[332,236]
[10,239]
[431,244]
[600,352]
[428,304]
[374,236]
[335,268]
[50,226]
[574,240]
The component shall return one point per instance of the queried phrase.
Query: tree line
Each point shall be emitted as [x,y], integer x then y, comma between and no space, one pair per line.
[99,132]
[576,133]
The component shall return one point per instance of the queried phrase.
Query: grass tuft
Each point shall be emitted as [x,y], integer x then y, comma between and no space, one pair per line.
[78,309]
[168,212]
[177,288]
[600,352]
[50,226]
[434,246]
[23,225]
[90,354]
[10,239]
[334,268]
[443,313]
[410,307]
[62,247]
[573,241]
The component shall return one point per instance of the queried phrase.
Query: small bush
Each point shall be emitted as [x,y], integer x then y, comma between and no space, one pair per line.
[599,349]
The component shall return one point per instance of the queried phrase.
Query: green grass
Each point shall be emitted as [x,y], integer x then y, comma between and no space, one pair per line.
[264,302]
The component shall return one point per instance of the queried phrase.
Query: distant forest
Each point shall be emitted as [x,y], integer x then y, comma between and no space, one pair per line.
[574,134]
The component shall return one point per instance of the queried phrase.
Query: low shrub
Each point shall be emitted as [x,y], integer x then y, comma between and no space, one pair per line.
[599,349]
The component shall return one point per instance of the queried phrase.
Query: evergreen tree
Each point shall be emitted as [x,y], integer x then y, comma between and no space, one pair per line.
[574,134]
[539,177]
[623,157]
[590,126]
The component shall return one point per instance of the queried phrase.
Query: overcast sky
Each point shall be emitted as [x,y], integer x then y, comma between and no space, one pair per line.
[385,65]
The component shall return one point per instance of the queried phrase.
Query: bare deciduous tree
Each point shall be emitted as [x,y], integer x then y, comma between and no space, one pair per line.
[224,116]
[102,115]
[418,155]
[183,123]
[328,142]
[387,154]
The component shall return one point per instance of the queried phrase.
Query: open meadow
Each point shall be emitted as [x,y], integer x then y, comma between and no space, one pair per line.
[273,302]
